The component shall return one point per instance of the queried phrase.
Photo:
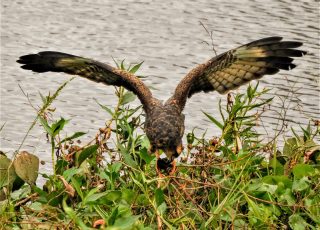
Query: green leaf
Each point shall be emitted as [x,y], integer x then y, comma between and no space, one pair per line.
[300,185]
[58,126]
[283,182]
[135,68]
[113,216]
[128,195]
[115,167]
[69,173]
[84,154]
[146,156]
[128,97]
[302,170]
[77,187]
[127,157]
[115,62]
[277,166]
[75,135]
[26,166]
[46,126]
[93,197]
[296,222]
[105,108]
[124,223]
[122,65]
[290,146]
[73,215]
[159,196]
[162,208]
[113,195]
[217,123]
[254,207]
[6,176]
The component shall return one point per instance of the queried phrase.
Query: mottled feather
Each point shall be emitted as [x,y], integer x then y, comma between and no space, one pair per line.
[87,68]
[238,66]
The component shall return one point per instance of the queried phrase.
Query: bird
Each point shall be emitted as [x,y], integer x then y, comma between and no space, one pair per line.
[164,122]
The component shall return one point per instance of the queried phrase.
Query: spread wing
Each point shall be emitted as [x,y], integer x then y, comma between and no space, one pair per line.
[238,66]
[87,68]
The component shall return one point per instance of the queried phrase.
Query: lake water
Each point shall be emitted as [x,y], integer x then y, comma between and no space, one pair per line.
[167,36]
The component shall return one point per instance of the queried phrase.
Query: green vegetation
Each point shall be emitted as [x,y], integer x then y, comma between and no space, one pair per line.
[111,182]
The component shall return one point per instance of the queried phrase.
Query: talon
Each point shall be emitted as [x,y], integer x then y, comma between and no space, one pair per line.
[159,164]
[166,166]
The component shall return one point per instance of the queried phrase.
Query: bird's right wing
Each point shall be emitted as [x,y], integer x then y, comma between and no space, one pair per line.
[87,68]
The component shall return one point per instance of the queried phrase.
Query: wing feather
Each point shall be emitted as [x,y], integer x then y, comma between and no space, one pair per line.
[238,66]
[87,68]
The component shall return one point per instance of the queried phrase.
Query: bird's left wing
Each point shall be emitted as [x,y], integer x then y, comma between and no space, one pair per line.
[87,68]
[238,66]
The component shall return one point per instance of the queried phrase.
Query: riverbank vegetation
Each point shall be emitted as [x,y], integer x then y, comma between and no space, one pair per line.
[233,181]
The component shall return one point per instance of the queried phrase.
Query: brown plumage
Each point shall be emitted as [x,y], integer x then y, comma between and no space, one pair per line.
[164,124]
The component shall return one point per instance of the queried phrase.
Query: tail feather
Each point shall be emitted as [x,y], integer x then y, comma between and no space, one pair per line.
[43,61]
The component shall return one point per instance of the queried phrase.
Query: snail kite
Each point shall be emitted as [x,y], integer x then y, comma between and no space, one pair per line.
[164,124]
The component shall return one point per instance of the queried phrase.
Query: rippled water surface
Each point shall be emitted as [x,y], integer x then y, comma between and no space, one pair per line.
[167,36]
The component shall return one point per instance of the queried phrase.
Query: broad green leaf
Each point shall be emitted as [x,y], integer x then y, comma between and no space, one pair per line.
[26,166]
[146,156]
[84,154]
[93,197]
[162,208]
[159,196]
[301,184]
[283,182]
[113,195]
[277,166]
[290,146]
[6,176]
[128,195]
[58,126]
[124,223]
[302,170]
[115,167]
[69,173]
[297,222]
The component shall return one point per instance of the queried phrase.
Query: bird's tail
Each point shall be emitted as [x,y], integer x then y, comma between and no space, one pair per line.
[45,61]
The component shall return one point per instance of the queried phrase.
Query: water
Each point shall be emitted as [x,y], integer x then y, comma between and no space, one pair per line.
[167,36]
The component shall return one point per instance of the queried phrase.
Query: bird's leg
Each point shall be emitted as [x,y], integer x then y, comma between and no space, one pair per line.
[174,168]
[179,150]
[157,168]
